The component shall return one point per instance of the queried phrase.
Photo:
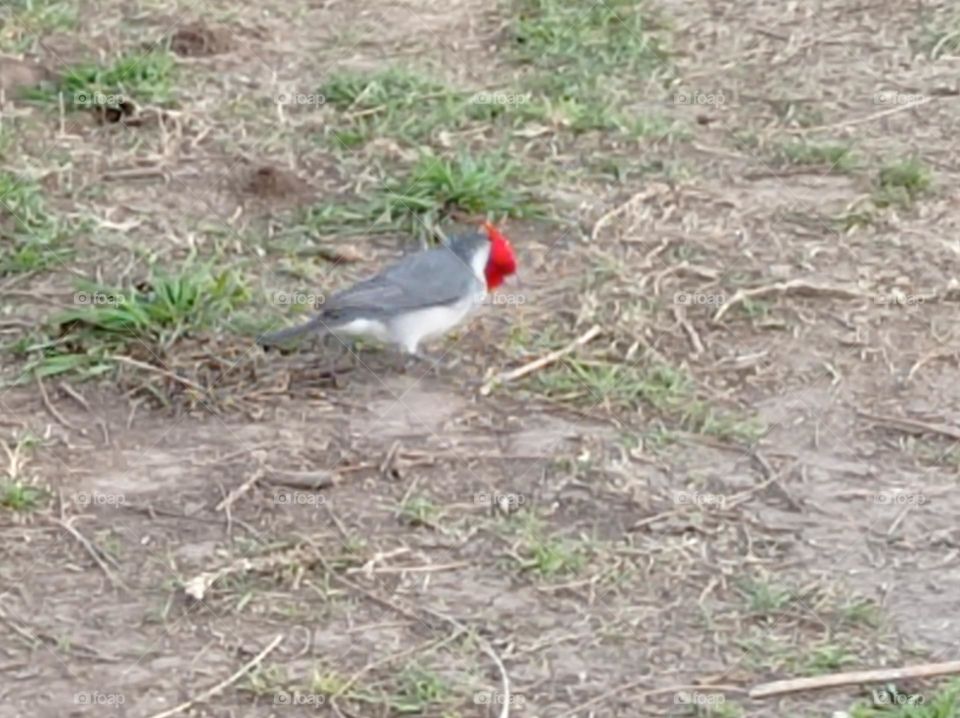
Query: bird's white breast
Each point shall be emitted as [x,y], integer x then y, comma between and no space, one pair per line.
[419,325]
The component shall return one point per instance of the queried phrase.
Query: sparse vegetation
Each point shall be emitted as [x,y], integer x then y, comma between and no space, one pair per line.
[901,183]
[830,157]
[30,237]
[140,77]
[18,496]
[688,490]
[428,193]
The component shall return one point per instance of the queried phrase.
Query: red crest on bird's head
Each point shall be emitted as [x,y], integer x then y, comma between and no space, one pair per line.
[502,261]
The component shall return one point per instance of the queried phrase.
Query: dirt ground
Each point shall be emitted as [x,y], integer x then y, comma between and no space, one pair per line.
[748,472]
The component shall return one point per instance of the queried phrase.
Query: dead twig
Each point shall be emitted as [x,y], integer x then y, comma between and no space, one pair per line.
[158,370]
[861,120]
[307,480]
[198,586]
[51,408]
[620,209]
[210,692]
[96,554]
[912,426]
[880,675]
[692,334]
[228,500]
[794,286]
[540,363]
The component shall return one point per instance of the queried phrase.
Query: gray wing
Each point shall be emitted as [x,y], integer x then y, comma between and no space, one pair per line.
[421,280]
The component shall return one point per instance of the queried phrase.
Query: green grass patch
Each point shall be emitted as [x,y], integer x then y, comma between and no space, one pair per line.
[418,691]
[156,314]
[425,197]
[145,78]
[764,597]
[395,103]
[828,658]
[581,40]
[419,511]
[30,237]
[542,554]
[833,157]
[24,22]
[20,497]
[890,702]
[586,61]
[621,386]
[411,109]
[901,183]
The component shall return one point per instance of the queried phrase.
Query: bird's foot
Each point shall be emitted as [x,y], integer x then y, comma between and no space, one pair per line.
[424,360]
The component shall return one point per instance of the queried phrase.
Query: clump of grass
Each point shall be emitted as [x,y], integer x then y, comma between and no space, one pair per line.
[897,185]
[889,702]
[827,659]
[584,57]
[764,597]
[616,384]
[154,314]
[393,103]
[24,22]
[384,89]
[901,183]
[546,556]
[419,690]
[16,492]
[419,511]
[160,311]
[835,157]
[29,235]
[428,194]
[21,497]
[621,386]
[580,55]
[147,78]
[860,611]
[579,39]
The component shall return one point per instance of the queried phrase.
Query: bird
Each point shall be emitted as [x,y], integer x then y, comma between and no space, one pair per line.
[418,298]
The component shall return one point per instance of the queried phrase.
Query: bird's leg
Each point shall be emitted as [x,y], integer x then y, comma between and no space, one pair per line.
[419,356]
[341,347]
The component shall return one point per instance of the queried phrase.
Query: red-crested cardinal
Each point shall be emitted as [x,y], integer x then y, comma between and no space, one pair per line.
[420,297]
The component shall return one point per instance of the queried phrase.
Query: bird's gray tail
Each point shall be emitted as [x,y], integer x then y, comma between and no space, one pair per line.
[314,325]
